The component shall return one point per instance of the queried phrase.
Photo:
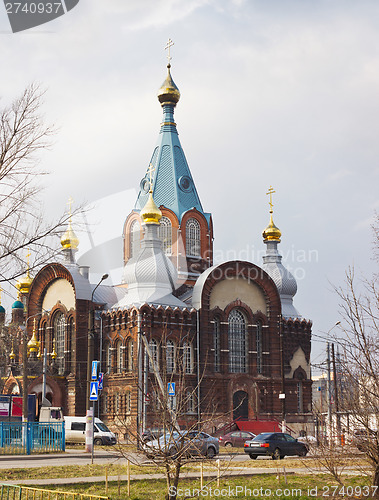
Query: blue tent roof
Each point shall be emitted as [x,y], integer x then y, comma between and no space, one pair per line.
[173,185]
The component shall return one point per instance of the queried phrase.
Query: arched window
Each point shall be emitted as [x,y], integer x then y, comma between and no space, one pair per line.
[129,355]
[107,357]
[259,347]
[135,238]
[165,234]
[237,342]
[193,237]
[119,364]
[153,344]
[187,358]
[59,339]
[170,356]
[70,334]
[190,397]
[217,344]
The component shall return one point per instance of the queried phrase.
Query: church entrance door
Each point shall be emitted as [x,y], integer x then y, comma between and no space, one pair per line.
[240,405]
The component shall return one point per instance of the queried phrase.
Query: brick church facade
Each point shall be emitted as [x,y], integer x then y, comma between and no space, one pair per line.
[228,335]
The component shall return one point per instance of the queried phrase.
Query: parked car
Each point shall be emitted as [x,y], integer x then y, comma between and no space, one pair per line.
[274,444]
[235,438]
[151,434]
[187,443]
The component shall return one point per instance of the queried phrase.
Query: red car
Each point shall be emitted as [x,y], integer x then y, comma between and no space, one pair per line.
[235,438]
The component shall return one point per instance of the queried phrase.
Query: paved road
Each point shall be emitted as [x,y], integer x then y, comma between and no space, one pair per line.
[101,456]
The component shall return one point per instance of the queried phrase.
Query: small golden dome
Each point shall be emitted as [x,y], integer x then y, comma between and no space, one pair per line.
[24,283]
[169,92]
[33,344]
[69,239]
[12,355]
[150,212]
[271,233]
[54,354]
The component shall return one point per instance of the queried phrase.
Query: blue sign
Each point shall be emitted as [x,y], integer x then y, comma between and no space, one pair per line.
[94,370]
[101,380]
[171,388]
[94,391]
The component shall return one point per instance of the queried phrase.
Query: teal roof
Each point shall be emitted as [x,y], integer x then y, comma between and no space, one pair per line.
[2,310]
[18,305]
[173,185]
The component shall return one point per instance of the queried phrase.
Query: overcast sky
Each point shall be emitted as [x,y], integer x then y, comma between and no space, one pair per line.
[274,92]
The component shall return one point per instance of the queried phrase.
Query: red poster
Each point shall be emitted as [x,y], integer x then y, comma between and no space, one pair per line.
[16,406]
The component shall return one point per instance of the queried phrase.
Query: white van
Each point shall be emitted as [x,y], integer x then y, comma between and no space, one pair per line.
[75,430]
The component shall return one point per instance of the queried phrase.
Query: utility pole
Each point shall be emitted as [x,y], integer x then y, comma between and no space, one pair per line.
[330,426]
[336,401]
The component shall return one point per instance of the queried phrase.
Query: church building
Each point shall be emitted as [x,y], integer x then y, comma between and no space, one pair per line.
[225,340]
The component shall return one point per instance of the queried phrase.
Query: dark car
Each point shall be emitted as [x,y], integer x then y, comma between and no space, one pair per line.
[274,444]
[235,438]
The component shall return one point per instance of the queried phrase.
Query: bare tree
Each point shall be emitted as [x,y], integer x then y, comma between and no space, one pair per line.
[23,135]
[183,436]
[359,364]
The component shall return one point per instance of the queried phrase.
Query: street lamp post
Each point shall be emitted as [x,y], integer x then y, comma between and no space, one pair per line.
[91,332]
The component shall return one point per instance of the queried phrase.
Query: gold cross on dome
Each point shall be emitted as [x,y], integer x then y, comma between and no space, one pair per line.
[271,192]
[69,203]
[150,171]
[169,44]
[28,258]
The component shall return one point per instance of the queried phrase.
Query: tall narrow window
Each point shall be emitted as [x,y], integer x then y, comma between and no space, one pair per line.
[190,396]
[128,402]
[119,363]
[300,396]
[107,358]
[135,238]
[59,339]
[259,347]
[193,237]
[70,334]
[153,344]
[165,234]
[237,342]
[129,355]
[217,344]
[170,356]
[187,358]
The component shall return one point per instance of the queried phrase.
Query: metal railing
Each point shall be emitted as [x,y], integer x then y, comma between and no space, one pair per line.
[13,492]
[24,438]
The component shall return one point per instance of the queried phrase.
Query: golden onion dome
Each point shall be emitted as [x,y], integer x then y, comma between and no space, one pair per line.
[169,92]
[24,283]
[69,239]
[12,355]
[271,233]
[33,344]
[150,212]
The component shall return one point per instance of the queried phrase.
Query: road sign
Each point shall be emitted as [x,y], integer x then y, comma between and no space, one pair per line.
[101,379]
[94,391]
[94,370]
[171,388]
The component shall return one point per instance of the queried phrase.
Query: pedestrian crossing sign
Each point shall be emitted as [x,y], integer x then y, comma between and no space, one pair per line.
[94,391]
[171,388]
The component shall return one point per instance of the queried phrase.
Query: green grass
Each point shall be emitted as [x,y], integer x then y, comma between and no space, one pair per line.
[299,487]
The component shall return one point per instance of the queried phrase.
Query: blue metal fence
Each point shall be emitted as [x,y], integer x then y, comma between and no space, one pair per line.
[24,438]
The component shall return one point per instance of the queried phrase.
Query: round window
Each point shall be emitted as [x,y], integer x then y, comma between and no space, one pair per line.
[185,183]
